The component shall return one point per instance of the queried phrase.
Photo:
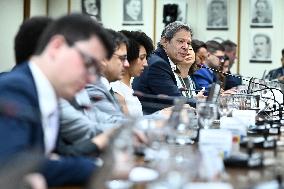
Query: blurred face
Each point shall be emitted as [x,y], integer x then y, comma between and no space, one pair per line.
[190,58]
[177,47]
[217,10]
[232,56]
[73,67]
[226,66]
[260,46]
[115,67]
[91,7]
[214,60]
[202,54]
[261,8]
[137,66]
[282,60]
[133,8]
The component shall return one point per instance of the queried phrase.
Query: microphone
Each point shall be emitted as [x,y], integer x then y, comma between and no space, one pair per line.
[157,102]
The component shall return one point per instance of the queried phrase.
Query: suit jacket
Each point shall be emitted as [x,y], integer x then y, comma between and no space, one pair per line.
[21,129]
[204,78]
[158,78]
[274,74]
[76,127]
[104,107]
[231,81]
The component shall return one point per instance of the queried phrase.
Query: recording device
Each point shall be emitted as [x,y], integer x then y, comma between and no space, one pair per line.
[214,93]
[264,142]
[245,160]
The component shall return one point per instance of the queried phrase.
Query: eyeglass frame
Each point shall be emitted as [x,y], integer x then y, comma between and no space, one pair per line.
[91,63]
[221,58]
[122,58]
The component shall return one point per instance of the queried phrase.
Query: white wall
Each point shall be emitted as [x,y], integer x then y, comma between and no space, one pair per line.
[38,8]
[11,16]
[57,8]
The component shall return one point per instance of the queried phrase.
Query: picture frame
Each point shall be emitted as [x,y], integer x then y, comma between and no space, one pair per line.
[132,12]
[261,47]
[261,13]
[217,14]
[92,8]
[182,9]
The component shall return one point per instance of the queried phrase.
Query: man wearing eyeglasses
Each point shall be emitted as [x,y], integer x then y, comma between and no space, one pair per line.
[205,76]
[65,60]
[105,107]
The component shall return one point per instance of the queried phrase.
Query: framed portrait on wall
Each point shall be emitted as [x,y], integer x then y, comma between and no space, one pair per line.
[217,15]
[132,12]
[92,8]
[261,44]
[181,9]
[261,13]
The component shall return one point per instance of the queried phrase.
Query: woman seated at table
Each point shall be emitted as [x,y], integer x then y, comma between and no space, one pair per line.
[183,73]
[139,48]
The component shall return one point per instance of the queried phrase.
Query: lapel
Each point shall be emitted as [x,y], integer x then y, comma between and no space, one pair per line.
[37,130]
[162,54]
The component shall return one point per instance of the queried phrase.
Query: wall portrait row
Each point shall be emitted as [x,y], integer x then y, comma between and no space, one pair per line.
[132,11]
[217,14]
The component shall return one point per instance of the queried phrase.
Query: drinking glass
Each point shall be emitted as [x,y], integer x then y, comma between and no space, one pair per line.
[225,106]
[206,113]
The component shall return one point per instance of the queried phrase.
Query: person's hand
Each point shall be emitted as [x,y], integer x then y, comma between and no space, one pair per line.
[281,78]
[200,94]
[229,92]
[102,139]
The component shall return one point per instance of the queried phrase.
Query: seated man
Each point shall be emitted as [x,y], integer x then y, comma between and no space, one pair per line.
[71,41]
[277,73]
[158,78]
[205,76]
[95,109]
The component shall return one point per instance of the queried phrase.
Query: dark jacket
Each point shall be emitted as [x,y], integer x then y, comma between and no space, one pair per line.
[158,79]
[21,129]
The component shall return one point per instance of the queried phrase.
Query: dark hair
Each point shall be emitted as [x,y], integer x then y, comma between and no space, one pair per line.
[172,28]
[117,38]
[213,46]
[282,52]
[196,45]
[27,37]
[76,27]
[137,39]
[229,45]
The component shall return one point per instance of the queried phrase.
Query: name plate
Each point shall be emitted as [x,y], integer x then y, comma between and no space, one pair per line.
[220,139]
[246,116]
[233,124]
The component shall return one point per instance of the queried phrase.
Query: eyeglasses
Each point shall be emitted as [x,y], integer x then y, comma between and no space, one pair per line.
[91,64]
[221,58]
[122,58]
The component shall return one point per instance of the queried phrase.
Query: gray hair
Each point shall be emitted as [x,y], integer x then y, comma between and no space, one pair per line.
[171,29]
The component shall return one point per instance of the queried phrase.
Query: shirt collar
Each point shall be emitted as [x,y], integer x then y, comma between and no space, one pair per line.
[46,93]
[173,66]
[105,82]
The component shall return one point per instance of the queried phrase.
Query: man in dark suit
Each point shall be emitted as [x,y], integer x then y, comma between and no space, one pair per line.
[231,51]
[205,77]
[29,93]
[277,73]
[159,78]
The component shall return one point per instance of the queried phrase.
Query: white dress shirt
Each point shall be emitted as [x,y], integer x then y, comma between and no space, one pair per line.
[48,107]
